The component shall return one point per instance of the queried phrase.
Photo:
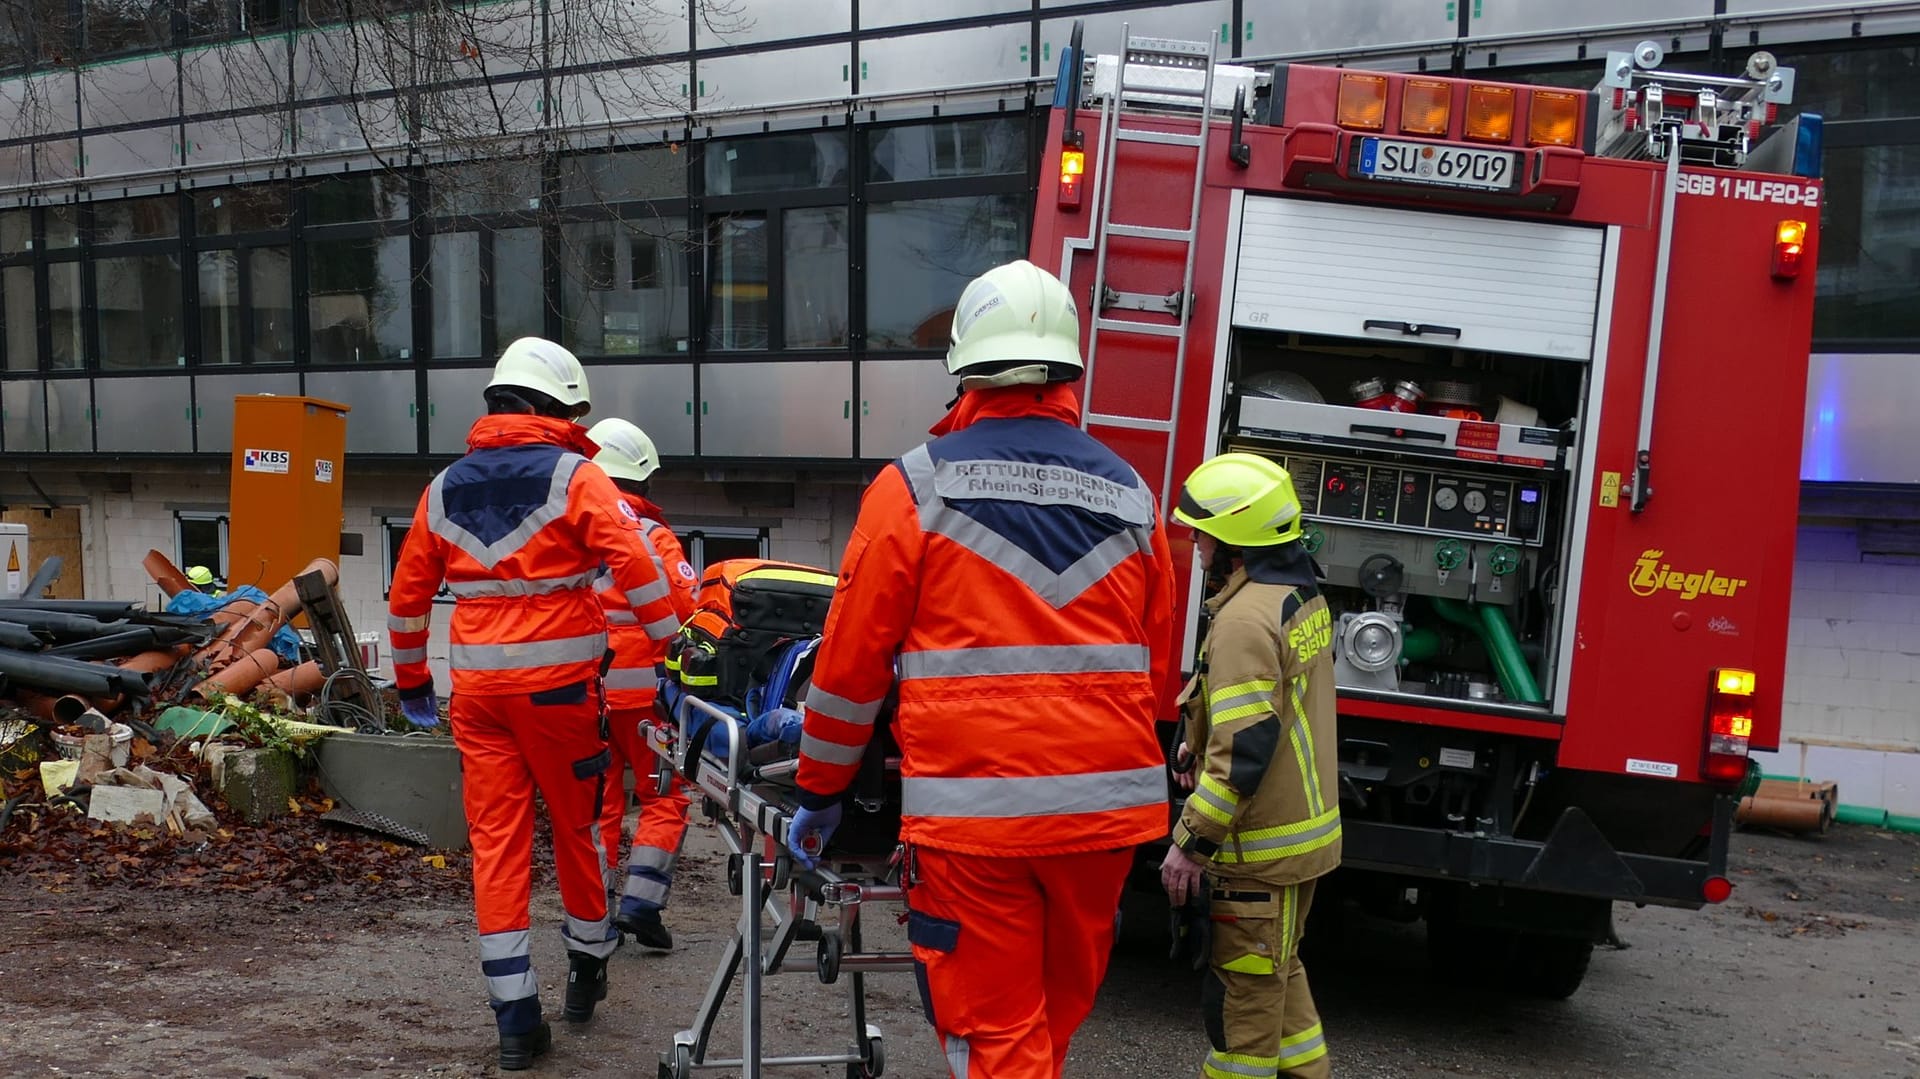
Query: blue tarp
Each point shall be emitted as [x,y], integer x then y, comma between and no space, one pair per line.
[285,642]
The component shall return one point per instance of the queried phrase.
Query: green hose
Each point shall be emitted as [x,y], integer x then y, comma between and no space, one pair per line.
[1420,645]
[1516,678]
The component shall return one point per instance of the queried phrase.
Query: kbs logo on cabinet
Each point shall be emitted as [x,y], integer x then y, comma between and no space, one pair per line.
[1652,574]
[275,461]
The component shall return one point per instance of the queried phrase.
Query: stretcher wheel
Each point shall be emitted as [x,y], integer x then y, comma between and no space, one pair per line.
[827,959]
[735,874]
[875,1065]
[782,872]
[682,1062]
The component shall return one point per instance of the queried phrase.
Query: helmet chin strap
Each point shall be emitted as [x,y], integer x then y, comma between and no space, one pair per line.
[1031,374]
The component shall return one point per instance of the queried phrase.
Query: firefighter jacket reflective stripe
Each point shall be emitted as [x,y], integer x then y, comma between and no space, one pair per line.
[637,646]
[1014,571]
[517,529]
[1266,805]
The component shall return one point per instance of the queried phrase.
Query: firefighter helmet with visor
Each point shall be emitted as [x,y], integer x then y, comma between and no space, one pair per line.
[1015,324]
[1241,499]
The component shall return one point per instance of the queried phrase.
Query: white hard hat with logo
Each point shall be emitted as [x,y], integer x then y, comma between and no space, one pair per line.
[535,363]
[626,453]
[1015,324]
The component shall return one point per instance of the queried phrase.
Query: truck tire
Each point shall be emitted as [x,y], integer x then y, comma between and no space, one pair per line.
[1463,954]
[1550,968]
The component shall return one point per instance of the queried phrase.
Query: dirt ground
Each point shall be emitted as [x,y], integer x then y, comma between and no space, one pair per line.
[1812,969]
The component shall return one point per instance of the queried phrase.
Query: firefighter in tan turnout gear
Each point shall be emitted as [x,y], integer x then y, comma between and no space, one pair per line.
[1263,822]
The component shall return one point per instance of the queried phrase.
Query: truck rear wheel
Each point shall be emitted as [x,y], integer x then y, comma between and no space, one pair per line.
[1550,968]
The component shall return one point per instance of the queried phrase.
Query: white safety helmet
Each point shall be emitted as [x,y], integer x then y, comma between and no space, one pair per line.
[1015,324]
[535,363]
[626,453]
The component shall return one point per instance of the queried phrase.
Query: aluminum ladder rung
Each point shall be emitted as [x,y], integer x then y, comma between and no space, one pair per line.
[1164,138]
[1149,232]
[1121,325]
[1137,423]
[1166,46]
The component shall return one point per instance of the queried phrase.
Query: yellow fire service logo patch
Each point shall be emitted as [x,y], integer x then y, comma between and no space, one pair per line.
[1651,576]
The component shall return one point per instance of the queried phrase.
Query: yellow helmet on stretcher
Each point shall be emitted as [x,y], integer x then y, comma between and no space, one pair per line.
[1241,499]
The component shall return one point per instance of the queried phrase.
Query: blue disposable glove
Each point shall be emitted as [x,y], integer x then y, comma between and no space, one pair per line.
[809,831]
[421,711]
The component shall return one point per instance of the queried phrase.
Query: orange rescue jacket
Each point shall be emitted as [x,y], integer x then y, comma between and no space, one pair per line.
[518,529]
[1013,571]
[631,682]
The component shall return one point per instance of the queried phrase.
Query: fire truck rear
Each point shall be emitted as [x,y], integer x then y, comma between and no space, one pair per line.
[1536,361]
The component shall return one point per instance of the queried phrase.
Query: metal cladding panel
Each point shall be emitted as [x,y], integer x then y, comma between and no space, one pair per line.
[751,23]
[656,397]
[899,400]
[249,73]
[348,128]
[913,12]
[144,415]
[1574,16]
[775,78]
[1505,285]
[1702,577]
[457,117]
[1748,21]
[454,401]
[792,409]
[213,404]
[344,60]
[23,417]
[121,153]
[69,415]
[1332,26]
[950,58]
[45,104]
[1489,59]
[1859,425]
[1181,22]
[129,91]
[653,92]
[56,159]
[614,31]
[16,164]
[383,403]
[250,137]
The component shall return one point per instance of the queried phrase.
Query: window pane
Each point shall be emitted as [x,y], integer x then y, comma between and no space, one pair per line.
[1855,84]
[200,544]
[63,307]
[138,306]
[270,273]
[737,276]
[359,307]
[23,350]
[63,226]
[776,163]
[1869,244]
[261,15]
[221,317]
[624,287]
[712,548]
[261,208]
[456,294]
[119,26]
[921,254]
[491,187]
[209,20]
[628,176]
[16,231]
[816,277]
[990,147]
[519,286]
[347,199]
[136,219]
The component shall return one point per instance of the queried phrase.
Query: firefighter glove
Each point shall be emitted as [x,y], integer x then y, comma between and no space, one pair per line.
[421,711]
[809,831]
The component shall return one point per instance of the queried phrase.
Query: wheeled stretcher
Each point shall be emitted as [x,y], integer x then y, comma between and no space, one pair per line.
[750,795]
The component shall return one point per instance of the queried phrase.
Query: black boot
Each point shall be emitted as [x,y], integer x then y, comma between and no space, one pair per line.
[518,1050]
[646,929]
[586,986]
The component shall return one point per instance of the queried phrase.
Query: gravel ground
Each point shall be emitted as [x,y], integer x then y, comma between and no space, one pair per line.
[1813,968]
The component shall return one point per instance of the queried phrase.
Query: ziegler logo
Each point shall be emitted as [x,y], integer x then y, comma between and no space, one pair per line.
[1651,576]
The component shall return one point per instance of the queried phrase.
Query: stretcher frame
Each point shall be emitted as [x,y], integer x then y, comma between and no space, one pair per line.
[820,905]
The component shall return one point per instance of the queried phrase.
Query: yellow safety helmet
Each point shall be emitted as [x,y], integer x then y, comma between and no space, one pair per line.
[1241,499]
[200,576]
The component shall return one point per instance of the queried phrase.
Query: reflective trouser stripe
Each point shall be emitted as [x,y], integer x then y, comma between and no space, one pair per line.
[958,1052]
[1241,1066]
[410,655]
[1308,1045]
[507,961]
[408,625]
[632,678]
[1033,796]
[521,654]
[595,938]
[1025,659]
[834,706]
[538,586]
[645,887]
[826,752]
[1272,844]
[651,858]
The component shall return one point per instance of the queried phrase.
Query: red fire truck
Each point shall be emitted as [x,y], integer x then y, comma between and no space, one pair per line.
[1536,359]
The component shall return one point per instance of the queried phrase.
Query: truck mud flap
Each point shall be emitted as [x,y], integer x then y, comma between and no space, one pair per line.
[1577,858]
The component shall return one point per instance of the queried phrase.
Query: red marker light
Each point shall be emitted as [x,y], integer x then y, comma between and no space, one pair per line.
[1073,166]
[1716,889]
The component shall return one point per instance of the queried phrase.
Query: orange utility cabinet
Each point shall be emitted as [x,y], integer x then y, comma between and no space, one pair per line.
[285,497]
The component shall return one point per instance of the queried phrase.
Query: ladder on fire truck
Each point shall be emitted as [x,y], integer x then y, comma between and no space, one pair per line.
[1158,71]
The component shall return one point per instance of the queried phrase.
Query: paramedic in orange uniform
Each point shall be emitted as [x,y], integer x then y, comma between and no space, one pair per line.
[518,529]
[628,457]
[1015,573]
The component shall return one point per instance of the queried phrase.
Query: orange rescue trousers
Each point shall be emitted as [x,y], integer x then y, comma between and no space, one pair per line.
[647,876]
[509,745]
[1010,953]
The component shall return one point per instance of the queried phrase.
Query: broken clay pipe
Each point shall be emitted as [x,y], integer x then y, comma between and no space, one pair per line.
[240,676]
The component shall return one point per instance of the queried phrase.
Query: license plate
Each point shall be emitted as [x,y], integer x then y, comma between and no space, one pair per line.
[1449,166]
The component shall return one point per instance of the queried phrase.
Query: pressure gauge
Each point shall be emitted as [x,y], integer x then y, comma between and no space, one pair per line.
[1445,498]
[1475,501]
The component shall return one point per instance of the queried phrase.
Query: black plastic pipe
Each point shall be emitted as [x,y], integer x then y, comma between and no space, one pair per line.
[63,675]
